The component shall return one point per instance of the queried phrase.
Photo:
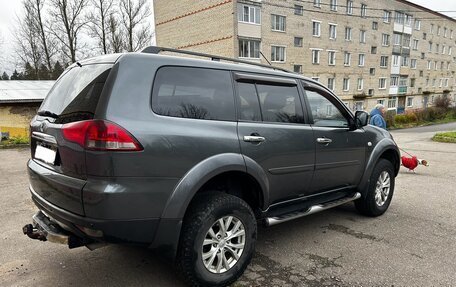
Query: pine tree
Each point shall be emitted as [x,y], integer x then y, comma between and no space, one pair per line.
[57,71]
[43,73]
[15,75]
[29,72]
[5,76]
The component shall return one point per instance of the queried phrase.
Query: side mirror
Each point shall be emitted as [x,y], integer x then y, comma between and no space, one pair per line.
[361,119]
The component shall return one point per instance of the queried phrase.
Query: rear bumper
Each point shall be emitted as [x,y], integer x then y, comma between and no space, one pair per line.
[140,231]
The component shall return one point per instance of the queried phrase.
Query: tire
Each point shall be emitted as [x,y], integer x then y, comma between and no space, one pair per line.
[376,201]
[204,214]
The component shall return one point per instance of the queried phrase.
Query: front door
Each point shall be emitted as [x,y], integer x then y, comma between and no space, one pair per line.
[272,133]
[340,152]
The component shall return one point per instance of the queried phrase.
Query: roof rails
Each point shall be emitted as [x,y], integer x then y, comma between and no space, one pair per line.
[157,50]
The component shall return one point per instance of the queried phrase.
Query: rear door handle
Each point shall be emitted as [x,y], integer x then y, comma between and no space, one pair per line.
[254,139]
[324,141]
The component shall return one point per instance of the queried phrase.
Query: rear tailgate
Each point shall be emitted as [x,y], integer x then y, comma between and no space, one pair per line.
[58,168]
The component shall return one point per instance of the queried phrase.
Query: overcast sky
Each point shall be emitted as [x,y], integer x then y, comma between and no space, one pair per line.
[10,8]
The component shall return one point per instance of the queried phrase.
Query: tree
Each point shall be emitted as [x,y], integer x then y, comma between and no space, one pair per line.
[15,75]
[5,76]
[115,34]
[27,39]
[57,71]
[67,25]
[47,42]
[99,22]
[30,72]
[43,73]
[133,15]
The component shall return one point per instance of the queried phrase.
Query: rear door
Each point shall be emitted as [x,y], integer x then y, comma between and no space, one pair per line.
[340,152]
[273,133]
[58,169]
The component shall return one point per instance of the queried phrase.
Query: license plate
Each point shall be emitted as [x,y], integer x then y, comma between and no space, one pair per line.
[45,154]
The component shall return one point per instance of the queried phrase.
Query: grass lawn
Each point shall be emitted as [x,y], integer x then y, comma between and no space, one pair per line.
[448,137]
[14,142]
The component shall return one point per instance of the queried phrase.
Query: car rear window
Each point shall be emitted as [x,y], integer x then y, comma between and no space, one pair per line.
[76,93]
[195,93]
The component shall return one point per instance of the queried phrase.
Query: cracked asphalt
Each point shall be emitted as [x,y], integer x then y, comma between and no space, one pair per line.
[413,244]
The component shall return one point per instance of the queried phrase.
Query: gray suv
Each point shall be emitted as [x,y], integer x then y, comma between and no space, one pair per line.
[188,155]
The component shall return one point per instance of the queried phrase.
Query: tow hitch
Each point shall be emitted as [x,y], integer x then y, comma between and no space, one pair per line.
[44,229]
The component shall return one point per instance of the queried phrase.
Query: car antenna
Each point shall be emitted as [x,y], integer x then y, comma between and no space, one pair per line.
[265,59]
[79,64]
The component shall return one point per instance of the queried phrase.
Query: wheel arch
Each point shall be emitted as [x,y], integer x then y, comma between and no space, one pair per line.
[386,149]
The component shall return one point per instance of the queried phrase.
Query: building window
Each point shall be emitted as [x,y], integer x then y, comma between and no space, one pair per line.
[360,85]
[384,61]
[437,48]
[333,5]
[386,16]
[410,102]
[361,60]
[445,31]
[298,10]
[381,102]
[399,17]
[370,92]
[385,39]
[395,60]
[278,23]
[421,73]
[423,55]
[429,65]
[424,36]
[359,106]
[317,3]
[438,30]
[394,81]
[331,82]
[382,84]
[363,10]
[278,54]
[450,50]
[408,20]
[249,14]
[417,24]
[413,63]
[406,41]
[298,41]
[315,57]
[316,28]
[346,84]
[396,39]
[373,50]
[332,31]
[297,69]
[362,36]
[349,8]
[249,49]
[331,58]
[405,61]
[348,33]
[415,44]
[431,29]
[374,25]
[430,47]
[412,82]
[392,103]
[347,59]
[372,71]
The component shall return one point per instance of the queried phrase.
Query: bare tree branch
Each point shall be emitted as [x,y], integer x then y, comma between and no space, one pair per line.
[98,22]
[134,13]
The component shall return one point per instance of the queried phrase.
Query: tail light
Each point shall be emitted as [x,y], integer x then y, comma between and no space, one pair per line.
[100,135]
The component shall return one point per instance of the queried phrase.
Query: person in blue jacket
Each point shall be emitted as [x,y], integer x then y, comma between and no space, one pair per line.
[377,116]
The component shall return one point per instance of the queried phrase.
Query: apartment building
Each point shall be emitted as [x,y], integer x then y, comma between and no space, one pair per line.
[392,52]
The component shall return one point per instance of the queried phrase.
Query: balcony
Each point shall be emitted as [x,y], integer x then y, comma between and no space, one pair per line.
[402,90]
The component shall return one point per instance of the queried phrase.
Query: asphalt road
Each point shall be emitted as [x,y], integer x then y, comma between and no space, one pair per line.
[413,244]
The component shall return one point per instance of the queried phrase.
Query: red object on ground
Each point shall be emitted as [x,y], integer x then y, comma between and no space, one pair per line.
[410,162]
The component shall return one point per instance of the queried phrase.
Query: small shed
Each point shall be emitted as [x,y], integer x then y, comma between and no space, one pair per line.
[19,102]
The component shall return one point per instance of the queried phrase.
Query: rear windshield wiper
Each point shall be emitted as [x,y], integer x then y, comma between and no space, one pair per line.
[48,114]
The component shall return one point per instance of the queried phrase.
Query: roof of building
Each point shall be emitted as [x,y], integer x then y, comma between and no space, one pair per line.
[24,91]
[427,9]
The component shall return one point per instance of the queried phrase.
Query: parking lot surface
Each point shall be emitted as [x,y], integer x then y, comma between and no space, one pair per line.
[413,244]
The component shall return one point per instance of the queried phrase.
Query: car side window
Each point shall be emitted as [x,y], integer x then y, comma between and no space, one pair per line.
[325,113]
[195,93]
[278,103]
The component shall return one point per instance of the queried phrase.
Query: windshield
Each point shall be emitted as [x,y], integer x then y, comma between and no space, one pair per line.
[77,91]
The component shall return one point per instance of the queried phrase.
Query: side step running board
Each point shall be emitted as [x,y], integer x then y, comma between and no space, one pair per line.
[313,209]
